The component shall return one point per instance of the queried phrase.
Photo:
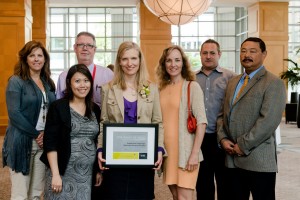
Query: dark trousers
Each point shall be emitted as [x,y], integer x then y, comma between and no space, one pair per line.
[128,184]
[260,184]
[211,168]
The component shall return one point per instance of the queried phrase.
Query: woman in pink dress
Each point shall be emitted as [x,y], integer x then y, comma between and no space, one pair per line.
[184,154]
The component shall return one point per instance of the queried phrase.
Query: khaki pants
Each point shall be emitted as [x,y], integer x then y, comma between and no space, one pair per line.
[29,187]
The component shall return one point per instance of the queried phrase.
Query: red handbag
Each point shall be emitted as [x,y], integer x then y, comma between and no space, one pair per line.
[191,120]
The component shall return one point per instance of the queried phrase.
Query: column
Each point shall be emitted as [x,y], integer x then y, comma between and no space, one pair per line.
[39,25]
[155,36]
[269,21]
[16,30]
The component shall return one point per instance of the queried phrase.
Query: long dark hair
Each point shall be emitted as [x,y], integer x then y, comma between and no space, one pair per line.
[22,68]
[81,68]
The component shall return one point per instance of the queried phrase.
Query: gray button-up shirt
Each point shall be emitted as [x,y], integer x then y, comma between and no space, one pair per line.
[213,87]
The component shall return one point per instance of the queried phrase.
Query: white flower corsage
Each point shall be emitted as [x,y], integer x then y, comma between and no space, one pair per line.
[145,91]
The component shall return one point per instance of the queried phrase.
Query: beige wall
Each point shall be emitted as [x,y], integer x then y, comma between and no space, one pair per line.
[15,26]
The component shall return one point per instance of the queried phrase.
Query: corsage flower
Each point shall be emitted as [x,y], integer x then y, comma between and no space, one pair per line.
[145,91]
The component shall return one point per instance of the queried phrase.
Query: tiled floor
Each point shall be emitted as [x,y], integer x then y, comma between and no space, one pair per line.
[288,177]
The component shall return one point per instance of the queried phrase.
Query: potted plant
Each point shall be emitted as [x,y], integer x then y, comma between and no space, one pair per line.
[292,74]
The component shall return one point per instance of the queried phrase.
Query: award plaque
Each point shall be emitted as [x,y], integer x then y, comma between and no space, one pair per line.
[130,145]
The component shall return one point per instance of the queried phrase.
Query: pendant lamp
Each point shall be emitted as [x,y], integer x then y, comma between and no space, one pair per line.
[177,12]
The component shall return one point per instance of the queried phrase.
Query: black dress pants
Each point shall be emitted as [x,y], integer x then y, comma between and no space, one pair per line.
[211,168]
[128,184]
[243,182]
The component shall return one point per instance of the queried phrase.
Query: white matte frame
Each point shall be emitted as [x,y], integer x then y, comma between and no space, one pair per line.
[109,130]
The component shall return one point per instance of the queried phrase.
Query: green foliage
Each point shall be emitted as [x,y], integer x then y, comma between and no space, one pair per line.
[292,74]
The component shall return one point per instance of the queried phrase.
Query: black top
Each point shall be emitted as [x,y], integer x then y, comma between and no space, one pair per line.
[57,132]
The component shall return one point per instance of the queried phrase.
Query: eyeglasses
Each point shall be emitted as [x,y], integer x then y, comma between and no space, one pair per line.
[88,46]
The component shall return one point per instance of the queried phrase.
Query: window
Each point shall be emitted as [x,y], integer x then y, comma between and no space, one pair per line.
[111,26]
[226,25]
[294,27]
[294,33]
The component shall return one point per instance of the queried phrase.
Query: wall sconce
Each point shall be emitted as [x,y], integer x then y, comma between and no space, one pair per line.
[177,12]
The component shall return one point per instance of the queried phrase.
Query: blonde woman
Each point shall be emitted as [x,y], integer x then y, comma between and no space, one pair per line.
[130,98]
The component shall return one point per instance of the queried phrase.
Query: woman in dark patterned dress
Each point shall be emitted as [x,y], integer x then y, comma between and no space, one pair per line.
[69,141]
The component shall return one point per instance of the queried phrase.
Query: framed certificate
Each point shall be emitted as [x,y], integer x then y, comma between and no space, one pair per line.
[130,145]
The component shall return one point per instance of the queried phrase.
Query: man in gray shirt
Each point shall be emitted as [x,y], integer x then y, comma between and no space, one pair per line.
[213,80]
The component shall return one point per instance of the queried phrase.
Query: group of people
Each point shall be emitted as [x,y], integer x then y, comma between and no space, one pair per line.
[54,141]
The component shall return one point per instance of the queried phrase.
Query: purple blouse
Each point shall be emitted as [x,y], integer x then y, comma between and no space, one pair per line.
[130,114]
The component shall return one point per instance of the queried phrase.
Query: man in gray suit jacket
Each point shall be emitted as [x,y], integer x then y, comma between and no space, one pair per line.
[250,119]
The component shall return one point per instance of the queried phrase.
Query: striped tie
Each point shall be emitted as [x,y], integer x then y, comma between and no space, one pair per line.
[243,87]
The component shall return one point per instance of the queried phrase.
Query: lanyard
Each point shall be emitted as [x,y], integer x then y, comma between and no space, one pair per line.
[94,72]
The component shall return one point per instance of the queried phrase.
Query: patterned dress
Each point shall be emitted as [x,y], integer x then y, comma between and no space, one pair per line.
[77,180]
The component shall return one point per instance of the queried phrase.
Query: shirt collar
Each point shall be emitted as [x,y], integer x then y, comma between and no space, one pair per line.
[217,69]
[91,67]
[252,73]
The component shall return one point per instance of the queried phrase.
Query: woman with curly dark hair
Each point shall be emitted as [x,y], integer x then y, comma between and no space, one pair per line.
[184,154]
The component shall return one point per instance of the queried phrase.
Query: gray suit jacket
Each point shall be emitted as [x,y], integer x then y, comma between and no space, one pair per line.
[113,109]
[251,121]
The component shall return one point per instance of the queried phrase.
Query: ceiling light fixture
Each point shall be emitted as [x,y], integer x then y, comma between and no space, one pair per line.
[177,12]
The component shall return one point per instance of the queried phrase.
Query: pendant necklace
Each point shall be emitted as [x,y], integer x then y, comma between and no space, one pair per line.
[132,90]
[45,105]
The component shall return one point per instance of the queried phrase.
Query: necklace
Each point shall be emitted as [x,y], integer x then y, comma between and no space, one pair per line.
[174,82]
[133,91]
[44,105]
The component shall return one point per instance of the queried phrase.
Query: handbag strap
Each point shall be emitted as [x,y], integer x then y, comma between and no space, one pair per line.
[188,96]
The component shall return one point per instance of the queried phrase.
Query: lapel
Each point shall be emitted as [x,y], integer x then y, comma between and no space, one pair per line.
[251,83]
[65,113]
[140,102]
[231,90]
[119,98]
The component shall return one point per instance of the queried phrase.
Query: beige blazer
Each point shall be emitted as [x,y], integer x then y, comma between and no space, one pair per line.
[186,140]
[252,120]
[148,109]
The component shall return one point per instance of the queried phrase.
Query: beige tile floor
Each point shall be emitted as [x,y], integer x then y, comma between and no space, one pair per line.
[288,177]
